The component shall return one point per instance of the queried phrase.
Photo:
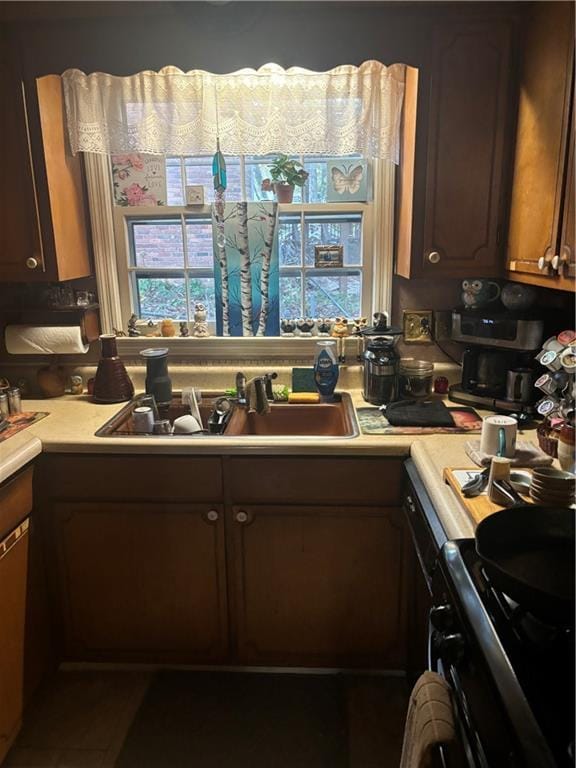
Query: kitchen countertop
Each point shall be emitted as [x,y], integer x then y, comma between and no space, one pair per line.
[73,420]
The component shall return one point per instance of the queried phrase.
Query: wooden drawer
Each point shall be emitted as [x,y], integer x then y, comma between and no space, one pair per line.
[366,481]
[145,478]
[15,500]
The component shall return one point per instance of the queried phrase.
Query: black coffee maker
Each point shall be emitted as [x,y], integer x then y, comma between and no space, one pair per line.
[380,361]
[498,362]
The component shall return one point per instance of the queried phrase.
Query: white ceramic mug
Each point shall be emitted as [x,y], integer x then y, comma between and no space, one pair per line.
[498,436]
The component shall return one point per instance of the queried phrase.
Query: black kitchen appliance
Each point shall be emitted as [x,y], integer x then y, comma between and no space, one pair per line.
[498,359]
[511,672]
[380,361]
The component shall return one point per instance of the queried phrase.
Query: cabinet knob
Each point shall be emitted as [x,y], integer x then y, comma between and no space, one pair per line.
[212,515]
[545,262]
[559,260]
[433,257]
[31,262]
[241,517]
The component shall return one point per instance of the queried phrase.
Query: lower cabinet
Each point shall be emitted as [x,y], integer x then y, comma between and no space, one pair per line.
[258,561]
[141,580]
[319,585]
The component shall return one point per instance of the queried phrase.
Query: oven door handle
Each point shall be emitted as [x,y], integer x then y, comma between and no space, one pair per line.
[469,739]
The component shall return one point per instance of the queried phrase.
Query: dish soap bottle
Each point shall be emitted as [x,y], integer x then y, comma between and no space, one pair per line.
[326,368]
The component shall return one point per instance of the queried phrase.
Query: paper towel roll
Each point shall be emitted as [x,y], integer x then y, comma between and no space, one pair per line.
[44,340]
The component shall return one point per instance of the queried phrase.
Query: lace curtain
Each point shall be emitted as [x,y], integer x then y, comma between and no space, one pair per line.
[342,111]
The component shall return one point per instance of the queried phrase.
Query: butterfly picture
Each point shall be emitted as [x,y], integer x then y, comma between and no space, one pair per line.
[347,181]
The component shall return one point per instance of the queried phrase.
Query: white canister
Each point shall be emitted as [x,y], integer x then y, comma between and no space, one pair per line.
[498,436]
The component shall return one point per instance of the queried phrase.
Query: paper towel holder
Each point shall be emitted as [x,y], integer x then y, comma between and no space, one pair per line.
[88,318]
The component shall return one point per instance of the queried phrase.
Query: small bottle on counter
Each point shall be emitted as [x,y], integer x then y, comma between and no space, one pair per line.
[566,448]
[4,408]
[326,368]
[14,400]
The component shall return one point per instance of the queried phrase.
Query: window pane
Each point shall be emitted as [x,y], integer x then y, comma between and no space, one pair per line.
[316,185]
[329,295]
[174,194]
[290,241]
[199,243]
[160,297]
[157,243]
[290,296]
[256,169]
[199,171]
[202,290]
[334,229]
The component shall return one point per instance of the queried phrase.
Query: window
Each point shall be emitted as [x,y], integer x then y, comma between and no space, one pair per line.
[165,254]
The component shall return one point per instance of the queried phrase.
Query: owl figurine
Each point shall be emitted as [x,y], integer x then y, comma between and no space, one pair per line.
[477,293]
[287,327]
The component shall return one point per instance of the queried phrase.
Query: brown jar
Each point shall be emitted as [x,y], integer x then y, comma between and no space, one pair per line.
[111,383]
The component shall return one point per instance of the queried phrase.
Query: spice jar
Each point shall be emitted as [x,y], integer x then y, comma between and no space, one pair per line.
[415,378]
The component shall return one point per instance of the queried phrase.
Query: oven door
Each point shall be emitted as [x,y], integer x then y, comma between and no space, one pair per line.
[466,751]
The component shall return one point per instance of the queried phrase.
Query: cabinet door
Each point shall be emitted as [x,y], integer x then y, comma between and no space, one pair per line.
[567,253]
[19,231]
[13,565]
[323,586]
[468,118]
[140,581]
[451,200]
[43,201]
[541,144]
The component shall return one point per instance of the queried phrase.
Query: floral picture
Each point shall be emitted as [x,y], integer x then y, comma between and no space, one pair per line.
[138,180]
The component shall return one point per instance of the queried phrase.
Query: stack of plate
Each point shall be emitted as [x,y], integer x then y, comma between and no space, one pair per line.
[552,487]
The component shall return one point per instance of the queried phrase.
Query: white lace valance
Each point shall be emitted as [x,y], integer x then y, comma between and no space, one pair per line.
[343,111]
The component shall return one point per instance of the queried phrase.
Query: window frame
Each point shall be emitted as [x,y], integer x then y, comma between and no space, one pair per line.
[110,235]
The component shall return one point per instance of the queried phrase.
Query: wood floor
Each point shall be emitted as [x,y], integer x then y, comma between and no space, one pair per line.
[80,720]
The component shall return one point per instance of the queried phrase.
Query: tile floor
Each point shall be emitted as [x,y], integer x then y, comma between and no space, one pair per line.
[81,718]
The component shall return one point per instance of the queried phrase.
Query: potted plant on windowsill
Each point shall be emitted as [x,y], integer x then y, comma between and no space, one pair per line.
[286,174]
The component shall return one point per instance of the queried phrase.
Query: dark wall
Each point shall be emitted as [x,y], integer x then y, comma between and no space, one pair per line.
[128,37]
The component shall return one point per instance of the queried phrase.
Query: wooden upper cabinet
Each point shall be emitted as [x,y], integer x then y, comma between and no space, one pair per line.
[540,247]
[44,233]
[452,175]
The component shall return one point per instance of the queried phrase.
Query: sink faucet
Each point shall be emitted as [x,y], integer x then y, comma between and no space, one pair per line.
[255,393]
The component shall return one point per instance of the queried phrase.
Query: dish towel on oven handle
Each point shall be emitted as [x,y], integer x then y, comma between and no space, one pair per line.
[429,721]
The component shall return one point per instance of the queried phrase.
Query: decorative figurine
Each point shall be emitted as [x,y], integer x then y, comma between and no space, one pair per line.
[305,326]
[184,330]
[200,329]
[477,293]
[118,333]
[287,327]
[76,384]
[358,326]
[340,331]
[324,324]
[132,330]
[167,328]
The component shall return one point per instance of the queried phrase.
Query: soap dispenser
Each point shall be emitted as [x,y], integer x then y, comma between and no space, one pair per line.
[326,368]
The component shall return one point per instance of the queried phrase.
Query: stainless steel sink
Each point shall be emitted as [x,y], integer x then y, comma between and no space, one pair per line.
[122,423]
[326,420]
[336,419]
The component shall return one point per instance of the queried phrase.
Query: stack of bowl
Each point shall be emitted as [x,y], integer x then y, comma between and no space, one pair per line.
[552,487]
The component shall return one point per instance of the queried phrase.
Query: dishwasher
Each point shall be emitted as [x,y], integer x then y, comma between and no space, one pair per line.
[13,576]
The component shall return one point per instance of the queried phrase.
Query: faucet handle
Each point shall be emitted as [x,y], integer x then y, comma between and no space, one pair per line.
[241,387]
[268,379]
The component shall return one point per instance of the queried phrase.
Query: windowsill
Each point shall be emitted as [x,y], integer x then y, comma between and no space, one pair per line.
[231,347]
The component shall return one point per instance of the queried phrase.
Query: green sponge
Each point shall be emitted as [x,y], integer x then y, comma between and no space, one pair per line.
[303,380]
